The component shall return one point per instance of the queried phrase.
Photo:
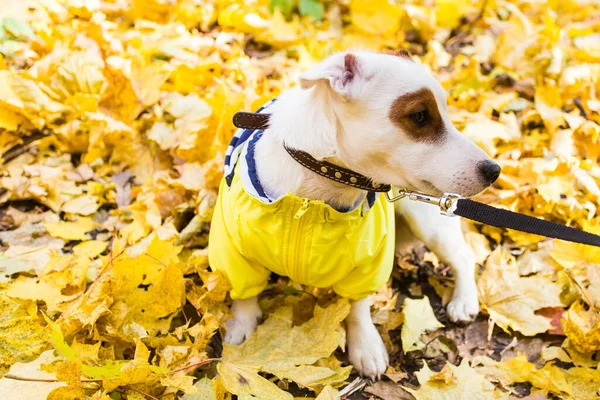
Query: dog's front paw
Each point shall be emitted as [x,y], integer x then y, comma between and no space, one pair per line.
[366,351]
[246,314]
[463,308]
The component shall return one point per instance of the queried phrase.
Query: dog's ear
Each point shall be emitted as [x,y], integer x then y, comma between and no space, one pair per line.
[338,72]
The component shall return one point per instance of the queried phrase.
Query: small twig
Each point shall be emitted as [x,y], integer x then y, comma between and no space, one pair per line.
[579,105]
[207,361]
[308,293]
[22,378]
[155,259]
[22,148]
[354,386]
[142,393]
[109,265]
[184,315]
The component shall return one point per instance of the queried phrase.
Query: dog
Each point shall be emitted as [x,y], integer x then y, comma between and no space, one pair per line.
[381,116]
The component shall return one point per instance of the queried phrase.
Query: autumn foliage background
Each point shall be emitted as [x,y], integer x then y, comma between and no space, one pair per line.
[114,117]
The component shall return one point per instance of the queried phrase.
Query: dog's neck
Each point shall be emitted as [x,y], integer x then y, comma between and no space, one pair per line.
[307,122]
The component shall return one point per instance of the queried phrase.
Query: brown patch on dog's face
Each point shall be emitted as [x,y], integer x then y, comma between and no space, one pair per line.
[418,115]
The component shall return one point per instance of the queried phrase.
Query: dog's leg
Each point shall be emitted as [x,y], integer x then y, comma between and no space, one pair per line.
[246,314]
[366,350]
[443,236]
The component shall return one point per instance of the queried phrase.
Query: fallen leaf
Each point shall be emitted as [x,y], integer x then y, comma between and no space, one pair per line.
[82,205]
[181,382]
[205,390]
[71,230]
[245,382]
[418,319]
[123,188]
[328,393]
[389,391]
[22,337]
[511,300]
[288,351]
[462,382]
[576,383]
[582,327]
[30,390]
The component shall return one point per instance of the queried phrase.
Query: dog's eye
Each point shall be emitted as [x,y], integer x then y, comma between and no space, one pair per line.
[420,118]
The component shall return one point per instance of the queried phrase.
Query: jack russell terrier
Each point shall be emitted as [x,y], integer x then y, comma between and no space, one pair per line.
[296,198]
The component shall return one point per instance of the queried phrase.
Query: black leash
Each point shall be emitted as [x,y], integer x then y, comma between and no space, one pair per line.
[450,204]
[507,219]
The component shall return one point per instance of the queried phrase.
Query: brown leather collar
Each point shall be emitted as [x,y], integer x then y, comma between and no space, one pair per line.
[246,120]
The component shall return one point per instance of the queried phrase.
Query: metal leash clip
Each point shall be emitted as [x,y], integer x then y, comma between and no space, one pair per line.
[446,203]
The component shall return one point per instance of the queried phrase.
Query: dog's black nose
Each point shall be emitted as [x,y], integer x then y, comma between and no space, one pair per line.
[489,170]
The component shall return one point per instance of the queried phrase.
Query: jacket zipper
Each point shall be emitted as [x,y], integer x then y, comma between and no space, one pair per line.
[296,251]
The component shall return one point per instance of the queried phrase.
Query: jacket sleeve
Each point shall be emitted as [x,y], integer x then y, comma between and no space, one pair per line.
[246,278]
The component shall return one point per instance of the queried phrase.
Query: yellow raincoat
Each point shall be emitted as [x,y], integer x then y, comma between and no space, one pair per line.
[307,240]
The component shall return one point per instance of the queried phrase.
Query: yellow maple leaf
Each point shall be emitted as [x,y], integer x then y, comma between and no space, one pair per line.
[289,351]
[455,383]
[575,383]
[25,97]
[90,248]
[378,17]
[244,381]
[136,371]
[570,254]
[283,33]
[418,319]
[21,337]
[242,18]
[549,102]
[68,273]
[70,372]
[84,310]
[328,393]
[449,13]
[82,205]
[182,382]
[446,375]
[34,289]
[582,327]
[511,300]
[205,391]
[67,73]
[71,230]
[146,79]
[150,286]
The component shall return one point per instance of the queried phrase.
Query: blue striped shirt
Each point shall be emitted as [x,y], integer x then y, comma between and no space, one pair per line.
[241,149]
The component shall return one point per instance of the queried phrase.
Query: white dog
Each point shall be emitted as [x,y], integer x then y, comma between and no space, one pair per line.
[384,117]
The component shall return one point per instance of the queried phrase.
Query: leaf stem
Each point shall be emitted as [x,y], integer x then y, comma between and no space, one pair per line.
[155,259]
[22,378]
[207,361]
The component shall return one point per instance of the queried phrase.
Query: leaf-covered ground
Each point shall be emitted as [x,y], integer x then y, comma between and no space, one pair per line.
[114,117]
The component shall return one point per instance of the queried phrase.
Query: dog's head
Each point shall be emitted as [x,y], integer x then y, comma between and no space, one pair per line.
[393,126]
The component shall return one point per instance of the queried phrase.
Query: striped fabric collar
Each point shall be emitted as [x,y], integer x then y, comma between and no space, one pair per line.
[241,149]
